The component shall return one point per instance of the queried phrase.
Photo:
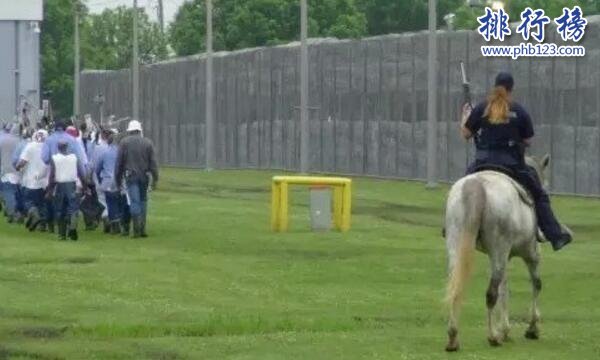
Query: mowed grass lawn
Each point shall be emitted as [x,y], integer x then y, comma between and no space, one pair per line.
[213,282]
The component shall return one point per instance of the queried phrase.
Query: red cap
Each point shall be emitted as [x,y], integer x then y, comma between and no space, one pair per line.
[72,130]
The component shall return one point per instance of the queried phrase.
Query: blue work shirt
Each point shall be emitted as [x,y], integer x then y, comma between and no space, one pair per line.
[51,148]
[105,168]
[18,151]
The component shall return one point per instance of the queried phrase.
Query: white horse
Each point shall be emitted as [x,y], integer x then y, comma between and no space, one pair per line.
[490,212]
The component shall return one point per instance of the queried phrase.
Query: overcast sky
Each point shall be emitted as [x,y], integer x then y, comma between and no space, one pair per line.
[170,6]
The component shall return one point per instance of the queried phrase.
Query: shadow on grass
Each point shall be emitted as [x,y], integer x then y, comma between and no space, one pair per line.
[212,190]
[402,213]
[41,332]
[6,354]
[163,355]
[76,260]
[217,326]
[387,211]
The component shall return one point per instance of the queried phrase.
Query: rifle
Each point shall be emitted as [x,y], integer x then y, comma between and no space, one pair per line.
[466,86]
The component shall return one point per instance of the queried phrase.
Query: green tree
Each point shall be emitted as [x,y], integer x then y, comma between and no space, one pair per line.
[107,39]
[392,16]
[105,44]
[57,55]
[249,23]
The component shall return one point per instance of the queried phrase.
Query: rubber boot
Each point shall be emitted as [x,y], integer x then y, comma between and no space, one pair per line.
[62,230]
[51,227]
[125,225]
[105,225]
[29,219]
[143,227]
[73,228]
[115,228]
[137,227]
[33,219]
[551,228]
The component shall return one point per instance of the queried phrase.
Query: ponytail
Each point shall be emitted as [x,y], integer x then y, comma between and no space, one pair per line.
[498,106]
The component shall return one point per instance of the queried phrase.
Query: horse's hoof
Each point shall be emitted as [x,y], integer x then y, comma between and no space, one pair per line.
[532,334]
[452,347]
[494,342]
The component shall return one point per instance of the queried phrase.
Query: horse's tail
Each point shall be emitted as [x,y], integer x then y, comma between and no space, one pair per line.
[473,200]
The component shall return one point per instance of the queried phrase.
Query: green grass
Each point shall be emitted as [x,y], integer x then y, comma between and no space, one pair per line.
[212,282]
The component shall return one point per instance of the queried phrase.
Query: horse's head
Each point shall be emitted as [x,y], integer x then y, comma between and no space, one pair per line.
[540,166]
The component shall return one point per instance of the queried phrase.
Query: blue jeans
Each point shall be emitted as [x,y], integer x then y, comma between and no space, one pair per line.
[9,193]
[34,198]
[66,203]
[138,197]
[49,205]
[21,200]
[117,207]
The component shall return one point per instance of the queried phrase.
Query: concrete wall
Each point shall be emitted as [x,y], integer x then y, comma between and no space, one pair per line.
[371,106]
[19,67]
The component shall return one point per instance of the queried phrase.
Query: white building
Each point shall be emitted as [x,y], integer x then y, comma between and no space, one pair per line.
[19,56]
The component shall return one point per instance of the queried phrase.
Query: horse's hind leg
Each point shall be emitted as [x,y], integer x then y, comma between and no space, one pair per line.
[533,331]
[453,344]
[491,299]
[504,315]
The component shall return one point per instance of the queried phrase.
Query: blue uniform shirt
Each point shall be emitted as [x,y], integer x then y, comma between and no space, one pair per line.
[105,168]
[18,151]
[51,148]
[500,144]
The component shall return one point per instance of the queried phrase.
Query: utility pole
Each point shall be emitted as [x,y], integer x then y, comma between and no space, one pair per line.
[432,125]
[76,86]
[210,120]
[161,16]
[304,124]
[135,76]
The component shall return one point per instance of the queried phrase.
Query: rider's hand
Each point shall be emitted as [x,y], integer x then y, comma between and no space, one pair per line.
[466,112]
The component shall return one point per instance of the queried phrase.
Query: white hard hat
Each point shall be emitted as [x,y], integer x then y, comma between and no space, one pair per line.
[134,125]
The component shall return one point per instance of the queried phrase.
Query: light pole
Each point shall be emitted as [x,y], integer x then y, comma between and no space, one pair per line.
[304,124]
[99,100]
[432,125]
[77,70]
[210,121]
[135,76]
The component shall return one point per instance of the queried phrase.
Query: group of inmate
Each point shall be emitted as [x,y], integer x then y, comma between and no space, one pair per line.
[52,175]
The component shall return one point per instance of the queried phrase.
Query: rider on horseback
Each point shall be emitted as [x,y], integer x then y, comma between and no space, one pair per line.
[502,129]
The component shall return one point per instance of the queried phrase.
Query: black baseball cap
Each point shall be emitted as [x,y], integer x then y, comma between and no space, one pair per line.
[59,124]
[505,80]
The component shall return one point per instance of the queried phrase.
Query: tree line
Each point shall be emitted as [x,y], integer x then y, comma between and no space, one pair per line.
[106,37]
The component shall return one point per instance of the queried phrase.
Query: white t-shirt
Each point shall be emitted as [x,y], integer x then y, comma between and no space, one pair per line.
[65,167]
[35,173]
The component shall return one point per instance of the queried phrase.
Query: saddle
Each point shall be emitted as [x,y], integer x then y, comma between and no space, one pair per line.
[523,193]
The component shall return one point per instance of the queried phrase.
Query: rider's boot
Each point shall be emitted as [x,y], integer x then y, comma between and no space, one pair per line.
[558,236]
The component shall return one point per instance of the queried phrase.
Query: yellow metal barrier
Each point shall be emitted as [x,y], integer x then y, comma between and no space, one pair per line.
[342,199]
